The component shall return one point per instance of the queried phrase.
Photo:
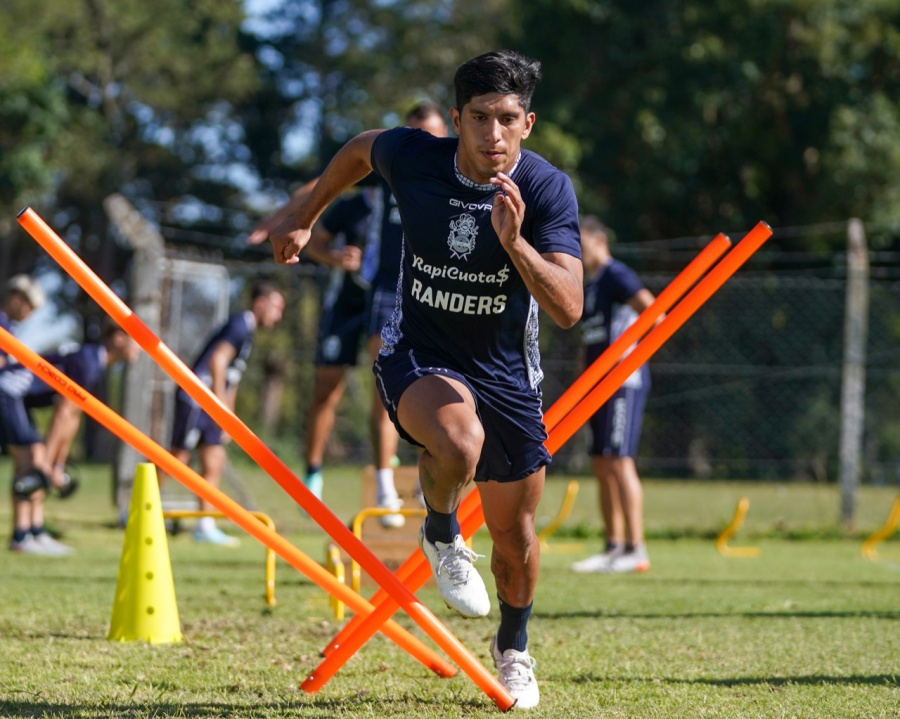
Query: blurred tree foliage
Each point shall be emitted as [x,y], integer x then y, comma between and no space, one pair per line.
[333,68]
[98,96]
[673,118]
[695,115]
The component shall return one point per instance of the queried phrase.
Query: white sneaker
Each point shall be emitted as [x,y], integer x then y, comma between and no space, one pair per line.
[52,547]
[30,545]
[216,536]
[597,563]
[634,561]
[459,583]
[314,483]
[391,521]
[516,670]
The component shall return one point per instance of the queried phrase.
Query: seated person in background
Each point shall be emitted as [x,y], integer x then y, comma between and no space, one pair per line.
[39,463]
[220,365]
[21,296]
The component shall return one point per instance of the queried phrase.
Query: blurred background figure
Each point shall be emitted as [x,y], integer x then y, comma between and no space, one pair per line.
[22,295]
[220,365]
[39,463]
[614,297]
[361,238]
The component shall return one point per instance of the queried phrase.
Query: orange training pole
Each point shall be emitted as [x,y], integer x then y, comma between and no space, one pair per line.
[359,630]
[250,443]
[645,321]
[658,335]
[199,486]
[414,572]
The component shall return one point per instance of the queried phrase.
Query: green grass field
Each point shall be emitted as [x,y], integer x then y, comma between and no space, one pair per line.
[807,629]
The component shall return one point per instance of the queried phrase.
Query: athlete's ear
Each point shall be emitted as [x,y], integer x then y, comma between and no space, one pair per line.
[454,118]
[530,117]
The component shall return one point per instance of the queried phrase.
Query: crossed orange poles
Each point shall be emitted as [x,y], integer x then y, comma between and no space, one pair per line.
[267,460]
[563,420]
[583,399]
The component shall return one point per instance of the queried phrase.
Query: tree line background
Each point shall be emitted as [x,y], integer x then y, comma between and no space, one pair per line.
[674,119]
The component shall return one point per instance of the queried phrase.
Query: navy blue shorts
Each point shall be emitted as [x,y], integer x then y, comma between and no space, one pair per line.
[17,427]
[514,431]
[342,332]
[616,427]
[192,427]
[381,305]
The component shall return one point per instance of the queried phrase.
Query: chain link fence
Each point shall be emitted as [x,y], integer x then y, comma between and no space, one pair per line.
[749,387]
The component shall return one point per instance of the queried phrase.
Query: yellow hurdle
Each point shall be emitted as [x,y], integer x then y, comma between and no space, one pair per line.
[890,526]
[722,540]
[335,565]
[564,511]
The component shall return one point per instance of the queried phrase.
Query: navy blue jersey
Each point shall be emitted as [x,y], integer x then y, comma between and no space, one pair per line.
[85,365]
[461,297]
[607,313]
[348,221]
[6,324]
[384,240]
[237,331]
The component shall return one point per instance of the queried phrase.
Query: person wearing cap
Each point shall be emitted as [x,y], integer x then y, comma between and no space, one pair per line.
[39,461]
[21,296]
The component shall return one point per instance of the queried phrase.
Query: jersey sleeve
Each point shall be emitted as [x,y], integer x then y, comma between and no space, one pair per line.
[391,143]
[84,366]
[624,282]
[237,332]
[344,214]
[555,224]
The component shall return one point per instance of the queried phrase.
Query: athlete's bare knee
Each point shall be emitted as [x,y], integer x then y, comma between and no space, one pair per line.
[460,445]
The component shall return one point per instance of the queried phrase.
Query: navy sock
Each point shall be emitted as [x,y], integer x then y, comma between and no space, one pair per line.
[37,531]
[440,527]
[313,468]
[611,547]
[19,535]
[513,631]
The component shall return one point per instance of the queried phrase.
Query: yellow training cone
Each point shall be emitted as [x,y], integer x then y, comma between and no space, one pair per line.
[145,608]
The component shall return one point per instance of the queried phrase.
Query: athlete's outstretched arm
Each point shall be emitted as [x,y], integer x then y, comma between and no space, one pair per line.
[553,278]
[260,233]
[351,163]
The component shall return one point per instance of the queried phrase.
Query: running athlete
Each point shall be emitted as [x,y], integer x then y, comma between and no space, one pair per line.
[613,299]
[39,463]
[21,296]
[220,365]
[490,237]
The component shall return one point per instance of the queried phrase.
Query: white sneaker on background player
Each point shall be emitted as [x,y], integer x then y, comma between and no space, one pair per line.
[598,563]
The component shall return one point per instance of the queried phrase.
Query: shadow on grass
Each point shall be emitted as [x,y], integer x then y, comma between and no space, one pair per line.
[600,614]
[318,707]
[889,680]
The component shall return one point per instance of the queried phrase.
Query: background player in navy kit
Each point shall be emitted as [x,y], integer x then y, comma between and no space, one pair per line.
[614,297]
[490,236]
[336,242]
[220,365]
[370,220]
[21,296]
[39,463]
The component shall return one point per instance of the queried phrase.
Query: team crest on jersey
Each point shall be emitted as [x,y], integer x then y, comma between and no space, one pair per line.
[462,237]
